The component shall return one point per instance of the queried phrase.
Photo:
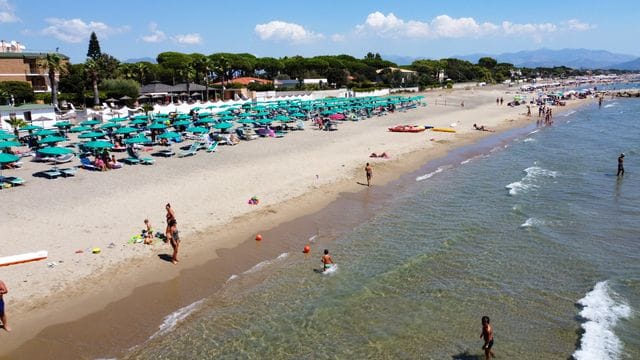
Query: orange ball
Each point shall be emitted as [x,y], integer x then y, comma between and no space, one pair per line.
[307,249]
[258,237]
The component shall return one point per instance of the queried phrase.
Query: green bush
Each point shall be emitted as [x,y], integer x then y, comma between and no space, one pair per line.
[117,88]
[44,97]
[21,91]
[260,87]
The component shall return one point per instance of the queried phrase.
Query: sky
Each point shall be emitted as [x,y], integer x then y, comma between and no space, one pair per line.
[431,29]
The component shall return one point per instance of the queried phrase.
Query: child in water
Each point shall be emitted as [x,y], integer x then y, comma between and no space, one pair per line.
[327,261]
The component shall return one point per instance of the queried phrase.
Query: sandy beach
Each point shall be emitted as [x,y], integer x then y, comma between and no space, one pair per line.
[292,176]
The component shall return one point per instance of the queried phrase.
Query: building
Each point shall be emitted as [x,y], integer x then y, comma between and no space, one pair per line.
[36,114]
[17,65]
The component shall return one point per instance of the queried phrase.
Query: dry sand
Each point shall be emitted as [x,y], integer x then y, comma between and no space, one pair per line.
[291,176]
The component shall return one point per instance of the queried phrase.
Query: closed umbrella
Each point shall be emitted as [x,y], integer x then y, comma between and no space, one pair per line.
[51,139]
[55,151]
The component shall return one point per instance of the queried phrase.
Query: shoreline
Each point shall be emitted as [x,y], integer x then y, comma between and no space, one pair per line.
[236,234]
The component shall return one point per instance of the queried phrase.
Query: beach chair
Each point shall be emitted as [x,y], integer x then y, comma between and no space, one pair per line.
[12,180]
[165,152]
[86,164]
[51,173]
[192,150]
[135,158]
[61,159]
[212,147]
[68,172]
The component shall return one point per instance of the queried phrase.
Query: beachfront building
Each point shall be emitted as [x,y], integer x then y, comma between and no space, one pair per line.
[36,114]
[18,65]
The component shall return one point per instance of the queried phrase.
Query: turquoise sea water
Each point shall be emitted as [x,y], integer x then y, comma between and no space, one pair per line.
[538,234]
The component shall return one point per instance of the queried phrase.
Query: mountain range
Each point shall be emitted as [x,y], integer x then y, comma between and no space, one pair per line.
[573,58]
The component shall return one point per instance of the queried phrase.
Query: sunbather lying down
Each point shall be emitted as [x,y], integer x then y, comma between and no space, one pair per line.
[481,128]
[382,155]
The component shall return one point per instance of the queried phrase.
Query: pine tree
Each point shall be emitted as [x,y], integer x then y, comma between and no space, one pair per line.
[94,47]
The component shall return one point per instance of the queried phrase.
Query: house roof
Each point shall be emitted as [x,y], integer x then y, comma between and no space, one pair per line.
[27,55]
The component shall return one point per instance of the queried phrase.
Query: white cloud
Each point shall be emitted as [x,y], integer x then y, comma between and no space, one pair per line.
[446,27]
[76,30]
[156,34]
[280,30]
[338,37]
[575,24]
[7,12]
[187,39]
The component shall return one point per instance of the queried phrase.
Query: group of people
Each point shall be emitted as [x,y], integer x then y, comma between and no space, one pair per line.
[545,115]
[105,162]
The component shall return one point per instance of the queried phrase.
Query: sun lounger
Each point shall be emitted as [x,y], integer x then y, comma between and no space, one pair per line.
[61,159]
[67,172]
[51,174]
[192,150]
[165,152]
[13,180]
[212,147]
[86,164]
[135,158]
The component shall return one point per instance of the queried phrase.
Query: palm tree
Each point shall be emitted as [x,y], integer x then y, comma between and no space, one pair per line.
[141,70]
[203,66]
[91,67]
[54,64]
[16,123]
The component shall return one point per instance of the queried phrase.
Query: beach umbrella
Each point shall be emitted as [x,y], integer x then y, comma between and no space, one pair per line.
[182,123]
[110,125]
[137,122]
[111,100]
[282,118]
[246,121]
[262,113]
[5,136]
[51,139]
[298,114]
[141,116]
[91,135]
[44,132]
[157,126]
[139,139]
[197,130]
[126,130]
[126,98]
[90,122]
[227,118]
[169,135]
[223,125]
[8,144]
[62,124]
[8,158]
[206,120]
[55,151]
[79,129]
[264,121]
[31,128]
[119,119]
[98,144]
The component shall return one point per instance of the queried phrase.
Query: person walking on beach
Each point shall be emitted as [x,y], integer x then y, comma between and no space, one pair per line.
[174,238]
[368,170]
[501,101]
[327,261]
[620,165]
[487,334]
[171,215]
[3,316]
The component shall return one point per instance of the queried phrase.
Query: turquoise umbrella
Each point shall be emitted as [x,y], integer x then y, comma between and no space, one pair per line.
[90,135]
[264,121]
[119,119]
[90,122]
[298,114]
[110,125]
[8,144]
[223,125]
[98,144]
[79,129]
[140,139]
[8,158]
[44,132]
[197,130]
[55,151]
[144,117]
[246,121]
[157,126]
[138,122]
[169,135]
[30,128]
[62,124]
[51,139]
[182,123]
[282,118]
[205,121]
[126,130]
[227,118]
[4,136]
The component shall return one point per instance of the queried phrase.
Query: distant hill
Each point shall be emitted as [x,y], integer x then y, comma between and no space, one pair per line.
[629,65]
[147,59]
[574,58]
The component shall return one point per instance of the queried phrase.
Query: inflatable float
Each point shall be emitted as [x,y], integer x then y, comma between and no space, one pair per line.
[23,258]
[407,128]
[449,130]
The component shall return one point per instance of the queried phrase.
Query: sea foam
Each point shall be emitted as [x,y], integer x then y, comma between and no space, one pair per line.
[533,173]
[531,222]
[262,264]
[170,321]
[601,309]
[429,175]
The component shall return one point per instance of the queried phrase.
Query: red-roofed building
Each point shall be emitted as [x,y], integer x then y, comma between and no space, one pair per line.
[246,81]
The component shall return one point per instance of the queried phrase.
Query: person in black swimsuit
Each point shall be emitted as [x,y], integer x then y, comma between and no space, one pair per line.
[620,165]
[487,334]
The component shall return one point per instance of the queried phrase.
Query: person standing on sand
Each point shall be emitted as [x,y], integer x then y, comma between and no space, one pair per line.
[487,334]
[171,215]
[501,101]
[174,238]
[3,316]
[620,165]
[368,170]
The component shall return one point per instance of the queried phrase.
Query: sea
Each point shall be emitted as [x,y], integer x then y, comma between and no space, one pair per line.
[531,227]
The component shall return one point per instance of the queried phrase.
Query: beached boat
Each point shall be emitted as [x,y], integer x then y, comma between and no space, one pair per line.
[407,128]
[449,130]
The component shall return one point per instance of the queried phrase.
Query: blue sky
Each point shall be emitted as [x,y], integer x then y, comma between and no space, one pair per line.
[432,29]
